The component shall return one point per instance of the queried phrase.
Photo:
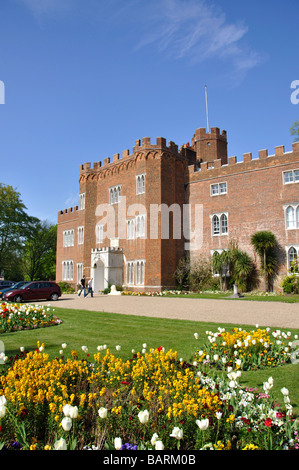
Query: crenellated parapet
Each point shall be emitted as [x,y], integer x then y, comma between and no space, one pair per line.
[142,147]
[68,214]
[213,168]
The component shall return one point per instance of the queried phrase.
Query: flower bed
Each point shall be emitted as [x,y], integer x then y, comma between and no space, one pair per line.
[246,350]
[14,317]
[151,401]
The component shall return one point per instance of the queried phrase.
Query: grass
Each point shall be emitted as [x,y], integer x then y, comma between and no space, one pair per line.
[91,329]
[286,298]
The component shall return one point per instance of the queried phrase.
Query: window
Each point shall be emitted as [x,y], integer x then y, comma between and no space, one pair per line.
[68,237]
[130,272]
[81,201]
[223,224]
[114,195]
[130,229]
[219,224]
[67,270]
[291,176]
[140,226]
[140,272]
[140,184]
[99,233]
[79,272]
[292,255]
[215,225]
[218,188]
[292,216]
[80,235]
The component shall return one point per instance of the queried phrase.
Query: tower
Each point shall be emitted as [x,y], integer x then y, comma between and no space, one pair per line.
[210,146]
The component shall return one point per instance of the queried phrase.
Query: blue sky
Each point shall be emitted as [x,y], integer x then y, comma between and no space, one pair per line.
[85,78]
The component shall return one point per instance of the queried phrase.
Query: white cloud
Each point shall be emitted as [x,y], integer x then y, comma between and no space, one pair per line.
[197,31]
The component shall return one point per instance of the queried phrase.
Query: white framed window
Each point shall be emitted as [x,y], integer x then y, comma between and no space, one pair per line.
[130,272]
[130,229]
[81,235]
[217,189]
[67,270]
[79,272]
[99,233]
[68,238]
[140,184]
[292,253]
[219,224]
[114,194]
[140,266]
[81,201]
[291,212]
[290,176]
[140,226]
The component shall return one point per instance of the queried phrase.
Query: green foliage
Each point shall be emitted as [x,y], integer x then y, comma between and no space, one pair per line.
[294,130]
[265,244]
[27,245]
[290,284]
[66,287]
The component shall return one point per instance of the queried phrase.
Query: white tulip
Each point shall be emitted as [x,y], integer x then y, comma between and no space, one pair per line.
[154,438]
[118,347]
[60,444]
[284,391]
[102,412]
[177,433]
[2,411]
[74,412]
[117,443]
[159,445]
[3,400]
[203,424]
[66,410]
[143,416]
[196,335]
[64,345]
[66,423]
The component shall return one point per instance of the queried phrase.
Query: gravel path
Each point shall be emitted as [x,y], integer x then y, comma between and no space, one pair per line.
[272,314]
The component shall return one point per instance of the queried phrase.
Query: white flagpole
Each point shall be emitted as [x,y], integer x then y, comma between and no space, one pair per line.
[207,112]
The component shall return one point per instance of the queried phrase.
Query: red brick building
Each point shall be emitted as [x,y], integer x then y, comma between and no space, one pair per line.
[139,213]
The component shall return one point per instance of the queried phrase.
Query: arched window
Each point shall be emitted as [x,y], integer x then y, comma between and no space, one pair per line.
[215,225]
[223,224]
[292,255]
[290,218]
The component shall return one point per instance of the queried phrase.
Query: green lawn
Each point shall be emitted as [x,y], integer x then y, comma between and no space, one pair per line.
[294,298]
[91,329]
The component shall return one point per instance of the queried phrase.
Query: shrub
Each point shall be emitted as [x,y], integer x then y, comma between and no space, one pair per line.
[290,284]
[66,287]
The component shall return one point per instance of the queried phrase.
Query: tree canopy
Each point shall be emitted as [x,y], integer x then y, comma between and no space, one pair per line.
[27,245]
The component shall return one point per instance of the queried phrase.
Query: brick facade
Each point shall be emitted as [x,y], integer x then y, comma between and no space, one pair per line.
[151,188]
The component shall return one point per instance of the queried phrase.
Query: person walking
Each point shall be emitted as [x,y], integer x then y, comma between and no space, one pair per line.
[82,286]
[89,288]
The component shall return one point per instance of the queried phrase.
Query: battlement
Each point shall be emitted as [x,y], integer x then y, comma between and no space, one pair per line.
[70,212]
[140,145]
[209,168]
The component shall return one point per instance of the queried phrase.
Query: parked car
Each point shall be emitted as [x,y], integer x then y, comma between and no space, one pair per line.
[15,286]
[35,290]
[5,284]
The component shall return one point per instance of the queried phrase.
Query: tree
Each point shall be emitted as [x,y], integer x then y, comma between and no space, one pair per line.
[13,223]
[221,264]
[39,259]
[242,269]
[294,130]
[264,243]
